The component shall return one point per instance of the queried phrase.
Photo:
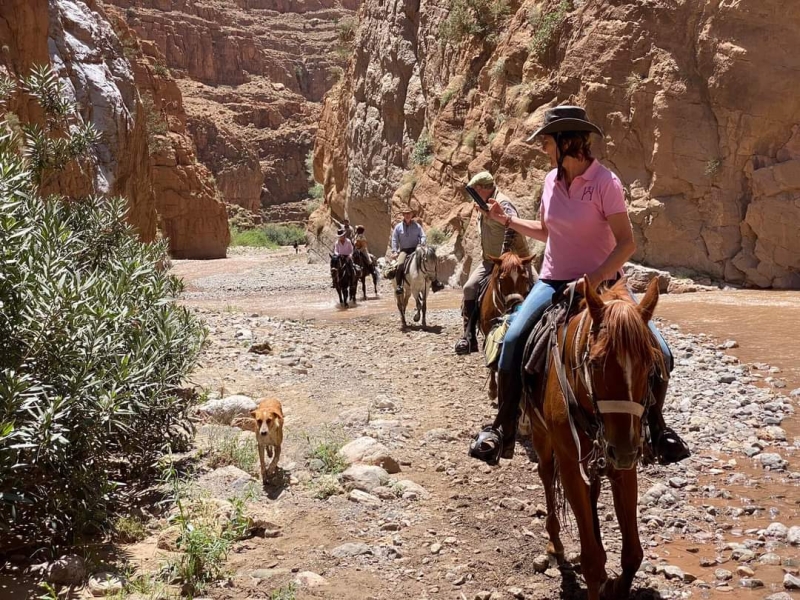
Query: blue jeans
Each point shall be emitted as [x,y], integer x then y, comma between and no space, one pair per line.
[524,320]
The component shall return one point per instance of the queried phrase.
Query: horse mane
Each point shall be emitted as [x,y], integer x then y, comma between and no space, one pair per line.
[510,262]
[626,331]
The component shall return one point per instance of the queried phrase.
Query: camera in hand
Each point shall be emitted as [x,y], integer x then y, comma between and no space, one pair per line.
[476,197]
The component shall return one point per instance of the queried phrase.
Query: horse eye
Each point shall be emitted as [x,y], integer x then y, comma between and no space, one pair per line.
[258,421]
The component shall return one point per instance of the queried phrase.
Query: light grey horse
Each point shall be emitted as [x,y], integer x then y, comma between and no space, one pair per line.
[421,272]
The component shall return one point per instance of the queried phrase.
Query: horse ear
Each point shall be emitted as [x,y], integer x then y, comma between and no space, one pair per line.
[526,260]
[593,301]
[496,260]
[329,254]
[648,304]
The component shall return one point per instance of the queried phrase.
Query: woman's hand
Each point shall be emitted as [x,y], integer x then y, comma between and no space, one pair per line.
[495,212]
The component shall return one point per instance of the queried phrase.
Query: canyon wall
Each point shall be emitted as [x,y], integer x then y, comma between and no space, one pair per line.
[143,153]
[252,74]
[697,100]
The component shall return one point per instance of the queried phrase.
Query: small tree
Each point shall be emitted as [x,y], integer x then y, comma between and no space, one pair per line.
[92,349]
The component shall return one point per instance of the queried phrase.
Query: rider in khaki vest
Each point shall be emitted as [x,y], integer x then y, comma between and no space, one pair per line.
[495,239]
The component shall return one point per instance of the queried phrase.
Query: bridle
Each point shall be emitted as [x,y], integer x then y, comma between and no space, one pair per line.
[504,302]
[422,262]
[591,423]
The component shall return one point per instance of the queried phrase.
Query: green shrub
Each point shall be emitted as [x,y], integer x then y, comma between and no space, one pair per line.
[470,18]
[229,449]
[287,592]
[326,448]
[436,236]
[129,529]
[317,191]
[270,235]
[92,349]
[422,154]
[471,139]
[255,238]
[446,96]
[346,30]
[545,24]
[204,539]
[161,69]
[155,124]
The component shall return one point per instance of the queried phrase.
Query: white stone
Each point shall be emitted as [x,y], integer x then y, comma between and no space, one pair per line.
[369,451]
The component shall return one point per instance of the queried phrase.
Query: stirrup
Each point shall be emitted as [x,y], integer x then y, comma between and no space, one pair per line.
[489,455]
[669,448]
[465,346]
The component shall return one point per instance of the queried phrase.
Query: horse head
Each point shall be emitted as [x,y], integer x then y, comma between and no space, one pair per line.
[427,261]
[620,354]
[511,277]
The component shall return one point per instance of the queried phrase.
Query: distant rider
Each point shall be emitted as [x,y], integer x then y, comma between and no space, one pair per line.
[407,235]
[343,247]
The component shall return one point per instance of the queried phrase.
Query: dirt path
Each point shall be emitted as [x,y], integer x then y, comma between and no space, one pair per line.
[347,373]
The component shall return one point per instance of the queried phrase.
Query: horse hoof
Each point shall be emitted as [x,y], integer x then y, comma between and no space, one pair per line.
[416,318]
[614,589]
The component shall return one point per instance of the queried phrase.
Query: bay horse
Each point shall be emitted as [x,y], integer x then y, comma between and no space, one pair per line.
[588,421]
[345,278]
[366,269]
[508,285]
[419,273]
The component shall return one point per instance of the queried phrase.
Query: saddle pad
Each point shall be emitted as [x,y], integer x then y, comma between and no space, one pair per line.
[493,343]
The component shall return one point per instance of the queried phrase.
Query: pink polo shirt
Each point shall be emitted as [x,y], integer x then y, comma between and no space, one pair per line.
[579,237]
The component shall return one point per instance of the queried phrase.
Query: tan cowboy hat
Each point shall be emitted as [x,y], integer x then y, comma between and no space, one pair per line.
[407,209]
[565,118]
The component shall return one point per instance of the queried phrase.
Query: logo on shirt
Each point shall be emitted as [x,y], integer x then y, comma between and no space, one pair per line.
[587,194]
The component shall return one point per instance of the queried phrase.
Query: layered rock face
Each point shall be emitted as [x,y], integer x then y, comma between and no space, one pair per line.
[700,119]
[144,152]
[252,73]
[76,38]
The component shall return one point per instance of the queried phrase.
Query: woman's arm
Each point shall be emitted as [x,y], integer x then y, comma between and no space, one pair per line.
[535,229]
[620,225]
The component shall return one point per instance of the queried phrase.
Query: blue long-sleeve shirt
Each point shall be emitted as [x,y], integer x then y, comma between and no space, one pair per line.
[407,236]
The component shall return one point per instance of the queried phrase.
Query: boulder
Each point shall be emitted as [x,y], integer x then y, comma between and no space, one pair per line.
[225,410]
[363,477]
[369,451]
[66,570]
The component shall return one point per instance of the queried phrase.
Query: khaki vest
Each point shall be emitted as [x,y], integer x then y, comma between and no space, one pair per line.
[493,233]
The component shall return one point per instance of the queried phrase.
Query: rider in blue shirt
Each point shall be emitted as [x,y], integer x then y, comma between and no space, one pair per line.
[407,235]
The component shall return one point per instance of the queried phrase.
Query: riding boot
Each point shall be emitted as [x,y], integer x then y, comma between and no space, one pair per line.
[509,393]
[469,342]
[667,445]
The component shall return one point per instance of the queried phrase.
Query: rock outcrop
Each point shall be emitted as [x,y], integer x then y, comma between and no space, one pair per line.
[144,153]
[191,214]
[253,74]
[76,38]
[699,112]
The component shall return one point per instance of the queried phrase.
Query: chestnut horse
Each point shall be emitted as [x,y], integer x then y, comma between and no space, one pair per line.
[589,422]
[508,285]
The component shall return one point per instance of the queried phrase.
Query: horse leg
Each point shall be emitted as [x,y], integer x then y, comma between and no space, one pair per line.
[425,306]
[375,280]
[579,495]
[401,308]
[418,306]
[364,285]
[547,474]
[624,489]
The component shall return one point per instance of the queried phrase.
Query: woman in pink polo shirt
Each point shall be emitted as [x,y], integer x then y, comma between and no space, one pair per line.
[585,226]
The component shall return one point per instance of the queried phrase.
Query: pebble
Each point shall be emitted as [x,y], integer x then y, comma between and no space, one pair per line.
[770,559]
[751,583]
[435,548]
[793,536]
[790,582]
[310,579]
[743,571]
[779,596]
[671,571]
[513,504]
[777,530]
[364,498]
[105,583]
[723,575]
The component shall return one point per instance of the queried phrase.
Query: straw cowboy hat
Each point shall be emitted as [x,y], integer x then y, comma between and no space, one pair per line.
[565,118]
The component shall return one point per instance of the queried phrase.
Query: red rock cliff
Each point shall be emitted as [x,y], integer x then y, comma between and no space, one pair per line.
[697,99]
[252,73]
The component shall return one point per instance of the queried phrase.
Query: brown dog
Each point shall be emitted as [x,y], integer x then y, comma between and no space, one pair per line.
[268,419]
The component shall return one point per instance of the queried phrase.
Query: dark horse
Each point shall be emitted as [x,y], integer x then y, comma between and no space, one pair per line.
[588,421]
[508,285]
[366,268]
[345,277]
